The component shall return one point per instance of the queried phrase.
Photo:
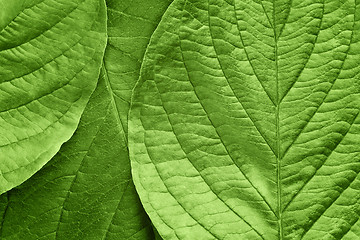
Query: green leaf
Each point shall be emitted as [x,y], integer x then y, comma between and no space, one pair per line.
[245,121]
[157,235]
[130,26]
[86,190]
[50,58]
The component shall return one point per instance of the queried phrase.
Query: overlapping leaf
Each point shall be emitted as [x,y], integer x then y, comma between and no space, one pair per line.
[86,191]
[50,57]
[245,121]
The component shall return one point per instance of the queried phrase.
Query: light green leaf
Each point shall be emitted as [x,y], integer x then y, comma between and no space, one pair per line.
[86,191]
[245,121]
[50,58]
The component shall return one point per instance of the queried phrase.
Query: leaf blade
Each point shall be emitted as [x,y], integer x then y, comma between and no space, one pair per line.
[188,130]
[44,88]
[86,190]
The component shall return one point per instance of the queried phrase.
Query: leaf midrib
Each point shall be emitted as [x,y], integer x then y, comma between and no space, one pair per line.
[278,144]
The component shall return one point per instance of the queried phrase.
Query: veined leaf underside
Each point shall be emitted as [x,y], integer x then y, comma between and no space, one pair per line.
[245,120]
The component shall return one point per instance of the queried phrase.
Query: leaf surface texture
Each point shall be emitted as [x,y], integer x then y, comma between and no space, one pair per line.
[50,57]
[86,190]
[245,121]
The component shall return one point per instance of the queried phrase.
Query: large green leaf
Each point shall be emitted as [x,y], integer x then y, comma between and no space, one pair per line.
[50,58]
[86,191]
[245,121]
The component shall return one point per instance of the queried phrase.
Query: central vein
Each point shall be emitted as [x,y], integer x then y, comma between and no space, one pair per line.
[277,110]
[277,124]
